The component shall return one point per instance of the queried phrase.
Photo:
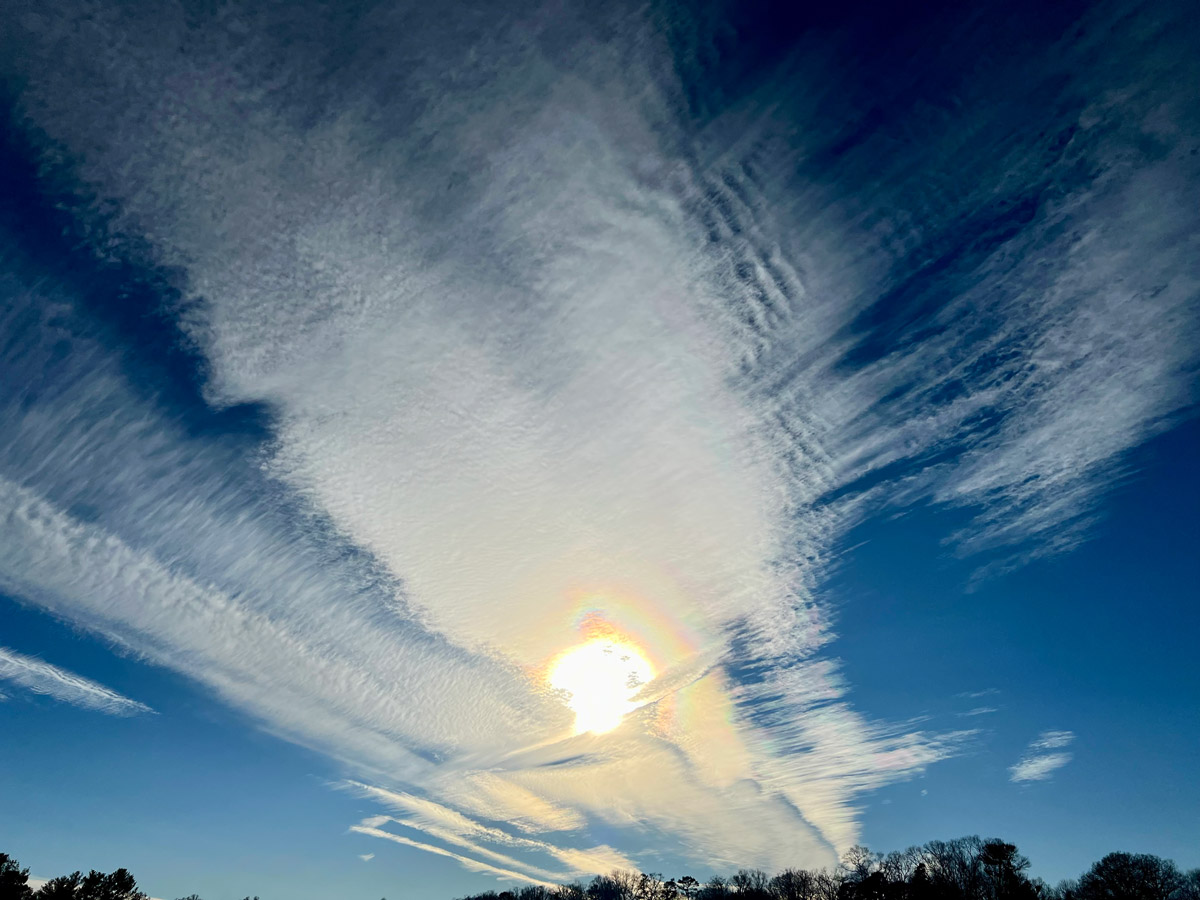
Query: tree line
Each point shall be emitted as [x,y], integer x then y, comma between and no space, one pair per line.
[968,868]
[117,885]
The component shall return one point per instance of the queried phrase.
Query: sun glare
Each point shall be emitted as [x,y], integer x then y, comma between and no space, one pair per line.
[600,679]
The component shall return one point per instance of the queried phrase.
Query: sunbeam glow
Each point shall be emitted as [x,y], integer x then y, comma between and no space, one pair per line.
[600,679]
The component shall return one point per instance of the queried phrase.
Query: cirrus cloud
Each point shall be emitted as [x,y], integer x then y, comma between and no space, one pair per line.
[43,678]
[1038,763]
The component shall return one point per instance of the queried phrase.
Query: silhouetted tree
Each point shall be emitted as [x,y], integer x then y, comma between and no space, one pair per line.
[967,868]
[919,884]
[1064,890]
[1004,872]
[898,866]
[64,887]
[627,883]
[750,884]
[1129,876]
[880,883]
[1189,886]
[793,884]
[715,889]
[604,887]
[858,863]
[649,886]
[117,885]
[826,885]
[14,881]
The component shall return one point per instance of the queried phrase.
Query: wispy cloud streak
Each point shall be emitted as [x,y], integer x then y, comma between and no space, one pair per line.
[1044,757]
[474,865]
[43,678]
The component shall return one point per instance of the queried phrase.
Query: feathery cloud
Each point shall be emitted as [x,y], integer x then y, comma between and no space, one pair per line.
[43,678]
[1039,765]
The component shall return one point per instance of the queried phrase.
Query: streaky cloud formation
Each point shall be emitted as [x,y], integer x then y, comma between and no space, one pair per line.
[980,711]
[542,352]
[467,862]
[43,678]
[1052,740]
[1038,763]
[453,827]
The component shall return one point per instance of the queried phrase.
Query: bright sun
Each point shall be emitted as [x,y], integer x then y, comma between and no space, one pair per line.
[600,678]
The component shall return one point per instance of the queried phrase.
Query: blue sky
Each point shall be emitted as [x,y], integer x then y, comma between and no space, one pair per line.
[820,385]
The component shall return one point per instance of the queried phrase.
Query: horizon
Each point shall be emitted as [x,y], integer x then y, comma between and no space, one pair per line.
[507,443]
[965,867]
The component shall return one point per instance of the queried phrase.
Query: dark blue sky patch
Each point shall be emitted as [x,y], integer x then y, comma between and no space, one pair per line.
[52,223]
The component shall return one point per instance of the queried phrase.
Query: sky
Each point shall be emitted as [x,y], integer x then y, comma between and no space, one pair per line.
[450,446]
